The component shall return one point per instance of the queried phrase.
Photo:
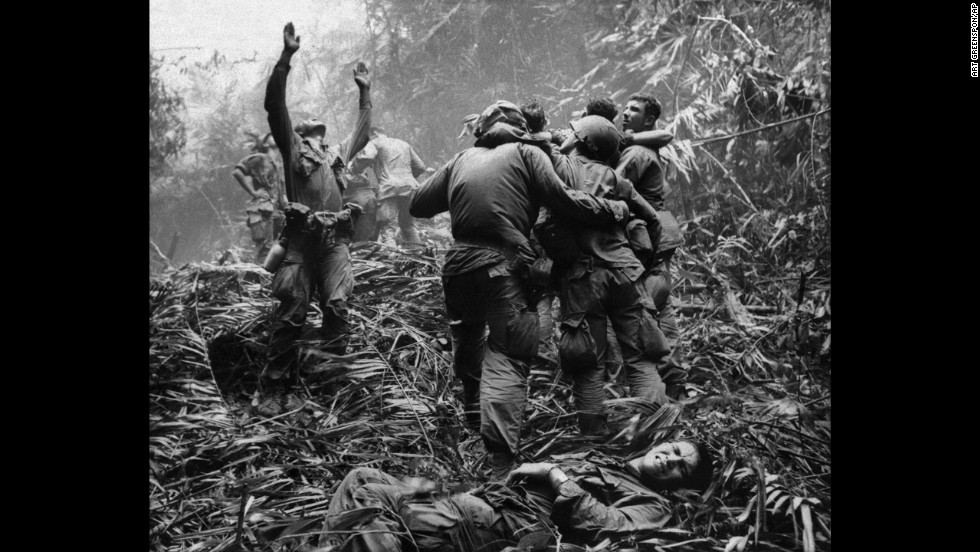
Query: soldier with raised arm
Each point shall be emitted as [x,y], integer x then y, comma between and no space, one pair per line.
[318,223]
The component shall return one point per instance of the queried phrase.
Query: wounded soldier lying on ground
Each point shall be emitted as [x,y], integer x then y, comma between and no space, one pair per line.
[586,497]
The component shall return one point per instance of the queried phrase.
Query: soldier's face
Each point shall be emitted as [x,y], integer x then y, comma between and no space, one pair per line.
[670,463]
[634,116]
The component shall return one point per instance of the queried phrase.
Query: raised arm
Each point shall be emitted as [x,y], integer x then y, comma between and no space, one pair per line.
[359,138]
[577,206]
[275,105]
[432,197]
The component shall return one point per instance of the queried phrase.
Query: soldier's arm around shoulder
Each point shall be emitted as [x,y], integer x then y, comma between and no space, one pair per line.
[547,188]
[432,197]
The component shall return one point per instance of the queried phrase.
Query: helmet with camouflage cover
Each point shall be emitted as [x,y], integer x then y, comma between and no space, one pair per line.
[500,111]
[599,136]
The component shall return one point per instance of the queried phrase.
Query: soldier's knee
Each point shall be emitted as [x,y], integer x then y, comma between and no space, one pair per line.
[364,474]
[518,335]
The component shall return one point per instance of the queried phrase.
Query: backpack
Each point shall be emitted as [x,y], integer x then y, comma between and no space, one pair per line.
[669,236]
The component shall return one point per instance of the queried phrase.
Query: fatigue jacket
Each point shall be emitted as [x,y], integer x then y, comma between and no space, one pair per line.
[603,498]
[493,192]
[643,167]
[311,173]
[266,173]
[609,244]
[395,164]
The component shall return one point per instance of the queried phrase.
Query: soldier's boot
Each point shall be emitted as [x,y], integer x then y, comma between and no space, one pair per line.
[410,238]
[501,464]
[592,424]
[279,364]
[471,409]
[336,346]
[386,236]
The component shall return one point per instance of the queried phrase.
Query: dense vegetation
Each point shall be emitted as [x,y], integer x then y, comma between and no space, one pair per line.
[746,91]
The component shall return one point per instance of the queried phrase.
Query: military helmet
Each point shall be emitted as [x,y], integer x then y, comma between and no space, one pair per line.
[309,125]
[500,112]
[599,135]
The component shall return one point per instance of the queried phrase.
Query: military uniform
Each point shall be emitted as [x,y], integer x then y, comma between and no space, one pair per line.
[602,283]
[313,178]
[603,498]
[361,191]
[492,192]
[643,167]
[396,166]
[264,212]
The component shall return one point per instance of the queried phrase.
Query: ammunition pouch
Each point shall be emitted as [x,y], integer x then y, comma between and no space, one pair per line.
[670,236]
[317,226]
[651,339]
[576,348]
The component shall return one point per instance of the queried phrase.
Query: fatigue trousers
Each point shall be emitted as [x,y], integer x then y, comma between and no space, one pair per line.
[372,511]
[589,295]
[323,268]
[656,286]
[365,227]
[393,214]
[547,350]
[492,365]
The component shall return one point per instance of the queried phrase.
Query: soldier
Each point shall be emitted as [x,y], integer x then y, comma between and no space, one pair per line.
[642,166]
[603,107]
[396,165]
[492,192]
[598,279]
[547,358]
[361,191]
[260,174]
[589,497]
[318,225]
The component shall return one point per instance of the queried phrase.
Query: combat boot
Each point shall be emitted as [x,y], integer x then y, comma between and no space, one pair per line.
[501,464]
[592,424]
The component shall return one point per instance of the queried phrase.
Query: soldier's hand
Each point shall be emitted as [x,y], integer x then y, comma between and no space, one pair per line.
[621,210]
[361,75]
[289,38]
[534,470]
[421,486]
[354,208]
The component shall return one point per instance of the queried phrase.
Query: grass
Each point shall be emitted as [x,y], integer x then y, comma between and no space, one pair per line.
[224,477]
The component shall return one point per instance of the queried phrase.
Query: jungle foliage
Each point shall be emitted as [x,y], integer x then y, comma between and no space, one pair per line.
[745,86]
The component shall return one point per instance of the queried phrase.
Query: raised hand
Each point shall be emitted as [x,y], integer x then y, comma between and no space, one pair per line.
[361,75]
[289,38]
